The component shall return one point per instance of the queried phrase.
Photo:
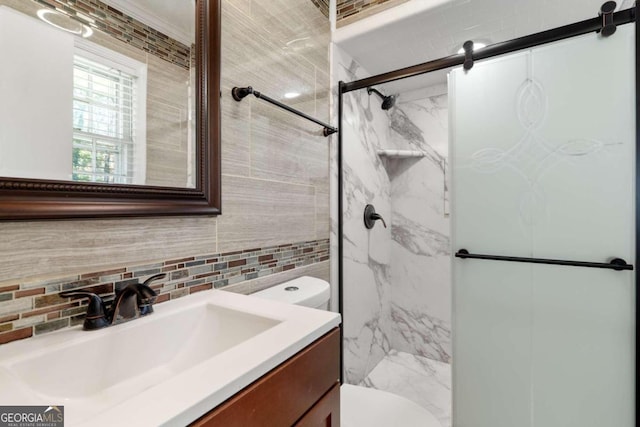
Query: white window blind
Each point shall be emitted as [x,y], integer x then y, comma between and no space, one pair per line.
[104,100]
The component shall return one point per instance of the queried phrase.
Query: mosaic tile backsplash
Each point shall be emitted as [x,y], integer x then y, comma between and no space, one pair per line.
[34,307]
[124,28]
[351,8]
[323,5]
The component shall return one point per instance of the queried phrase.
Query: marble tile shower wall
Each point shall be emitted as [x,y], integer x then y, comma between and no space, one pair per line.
[275,166]
[420,260]
[366,260]
[396,289]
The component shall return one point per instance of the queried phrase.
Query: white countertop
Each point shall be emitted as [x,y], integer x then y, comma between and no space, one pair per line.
[163,395]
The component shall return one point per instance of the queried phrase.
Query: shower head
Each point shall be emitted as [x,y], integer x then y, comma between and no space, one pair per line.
[387,101]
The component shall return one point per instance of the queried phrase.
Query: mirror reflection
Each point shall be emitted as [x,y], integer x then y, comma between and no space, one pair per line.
[98,91]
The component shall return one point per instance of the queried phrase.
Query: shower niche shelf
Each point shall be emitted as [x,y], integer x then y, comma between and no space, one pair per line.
[401,154]
[396,162]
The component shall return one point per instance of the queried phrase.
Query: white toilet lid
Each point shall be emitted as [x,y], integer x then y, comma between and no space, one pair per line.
[362,406]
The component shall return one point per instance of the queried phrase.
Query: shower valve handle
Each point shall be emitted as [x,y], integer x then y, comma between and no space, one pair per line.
[371,216]
[376,216]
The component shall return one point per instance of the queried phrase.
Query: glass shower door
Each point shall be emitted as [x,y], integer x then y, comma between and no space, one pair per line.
[542,151]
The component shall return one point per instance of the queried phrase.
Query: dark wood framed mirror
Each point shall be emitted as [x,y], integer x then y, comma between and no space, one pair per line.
[28,198]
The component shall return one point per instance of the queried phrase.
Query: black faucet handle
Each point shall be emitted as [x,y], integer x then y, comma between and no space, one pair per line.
[154,277]
[96,317]
[146,295]
[146,298]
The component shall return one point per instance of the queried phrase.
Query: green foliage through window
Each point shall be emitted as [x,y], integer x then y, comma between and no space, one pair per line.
[103,123]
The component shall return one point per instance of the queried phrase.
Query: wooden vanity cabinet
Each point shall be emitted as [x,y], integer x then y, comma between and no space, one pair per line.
[326,412]
[304,391]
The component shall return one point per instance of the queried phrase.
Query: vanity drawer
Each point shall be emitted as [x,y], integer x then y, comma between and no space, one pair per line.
[284,395]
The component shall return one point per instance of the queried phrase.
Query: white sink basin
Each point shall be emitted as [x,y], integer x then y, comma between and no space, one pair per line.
[128,360]
[168,368]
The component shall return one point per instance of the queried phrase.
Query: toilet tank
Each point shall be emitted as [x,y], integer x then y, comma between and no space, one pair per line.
[307,291]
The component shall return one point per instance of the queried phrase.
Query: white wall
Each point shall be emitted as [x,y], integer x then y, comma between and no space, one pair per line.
[36,98]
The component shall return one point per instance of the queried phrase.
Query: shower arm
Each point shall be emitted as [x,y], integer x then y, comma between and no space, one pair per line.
[387,101]
[376,91]
[239,93]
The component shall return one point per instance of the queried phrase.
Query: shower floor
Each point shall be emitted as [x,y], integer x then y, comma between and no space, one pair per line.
[424,381]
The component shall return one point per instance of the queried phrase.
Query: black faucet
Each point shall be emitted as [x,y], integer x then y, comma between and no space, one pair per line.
[133,301]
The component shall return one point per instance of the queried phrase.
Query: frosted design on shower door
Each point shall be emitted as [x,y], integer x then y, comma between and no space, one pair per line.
[542,145]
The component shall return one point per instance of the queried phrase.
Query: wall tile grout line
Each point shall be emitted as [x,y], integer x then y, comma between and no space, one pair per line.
[40,310]
[269,180]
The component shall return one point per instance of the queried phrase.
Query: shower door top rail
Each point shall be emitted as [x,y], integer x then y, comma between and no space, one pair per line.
[617,264]
[556,34]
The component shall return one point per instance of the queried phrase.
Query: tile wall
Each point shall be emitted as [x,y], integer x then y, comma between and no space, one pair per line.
[396,282]
[124,28]
[349,11]
[323,5]
[420,229]
[34,307]
[275,185]
[367,285]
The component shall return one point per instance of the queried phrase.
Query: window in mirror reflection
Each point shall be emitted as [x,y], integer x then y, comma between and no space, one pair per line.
[108,145]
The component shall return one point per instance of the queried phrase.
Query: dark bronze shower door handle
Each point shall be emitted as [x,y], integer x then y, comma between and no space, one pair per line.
[617,264]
